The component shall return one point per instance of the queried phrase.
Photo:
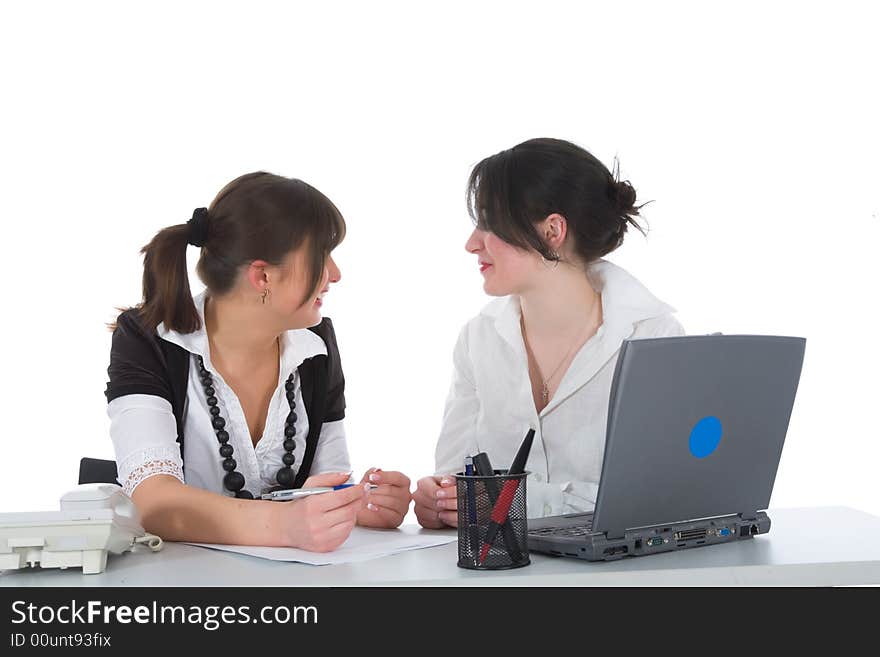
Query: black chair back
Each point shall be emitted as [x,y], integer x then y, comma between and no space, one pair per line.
[97,471]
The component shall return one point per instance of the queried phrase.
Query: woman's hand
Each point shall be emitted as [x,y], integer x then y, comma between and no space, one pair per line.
[436,502]
[387,505]
[321,523]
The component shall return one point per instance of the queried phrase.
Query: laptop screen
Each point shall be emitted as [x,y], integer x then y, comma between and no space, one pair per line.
[695,429]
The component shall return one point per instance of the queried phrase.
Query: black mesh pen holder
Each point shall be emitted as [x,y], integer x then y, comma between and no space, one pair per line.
[483,543]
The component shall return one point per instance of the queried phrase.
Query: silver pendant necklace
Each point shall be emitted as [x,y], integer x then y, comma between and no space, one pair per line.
[545,387]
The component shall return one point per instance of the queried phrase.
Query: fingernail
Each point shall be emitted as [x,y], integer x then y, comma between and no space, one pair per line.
[367,487]
[441,504]
[346,474]
[372,507]
[441,493]
[445,481]
[374,477]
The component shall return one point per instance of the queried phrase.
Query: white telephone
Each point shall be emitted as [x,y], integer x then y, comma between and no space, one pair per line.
[94,519]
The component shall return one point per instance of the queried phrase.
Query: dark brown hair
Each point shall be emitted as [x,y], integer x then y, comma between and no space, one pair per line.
[512,190]
[258,216]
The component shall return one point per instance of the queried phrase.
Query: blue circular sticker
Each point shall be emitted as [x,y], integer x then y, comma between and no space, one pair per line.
[705,436]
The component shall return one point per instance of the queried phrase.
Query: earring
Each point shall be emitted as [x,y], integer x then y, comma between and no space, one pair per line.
[265,294]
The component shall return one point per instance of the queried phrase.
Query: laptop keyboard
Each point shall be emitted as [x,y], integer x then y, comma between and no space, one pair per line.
[582,529]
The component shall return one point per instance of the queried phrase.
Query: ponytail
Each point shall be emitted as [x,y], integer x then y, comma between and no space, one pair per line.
[167,296]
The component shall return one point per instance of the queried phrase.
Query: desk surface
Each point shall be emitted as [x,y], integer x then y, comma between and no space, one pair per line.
[823,546]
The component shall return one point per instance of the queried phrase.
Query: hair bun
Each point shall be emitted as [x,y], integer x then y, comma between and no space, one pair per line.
[623,196]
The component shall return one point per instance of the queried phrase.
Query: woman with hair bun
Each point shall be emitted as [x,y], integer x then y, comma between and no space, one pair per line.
[542,355]
[217,399]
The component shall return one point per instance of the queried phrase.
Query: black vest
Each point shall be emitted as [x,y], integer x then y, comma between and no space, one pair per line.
[143,363]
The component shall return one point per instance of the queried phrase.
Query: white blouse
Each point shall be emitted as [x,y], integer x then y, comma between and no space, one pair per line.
[144,432]
[490,405]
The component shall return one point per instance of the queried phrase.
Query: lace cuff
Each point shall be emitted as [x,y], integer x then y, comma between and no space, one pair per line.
[145,463]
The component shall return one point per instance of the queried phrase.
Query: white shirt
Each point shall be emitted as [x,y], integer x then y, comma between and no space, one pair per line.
[490,405]
[144,431]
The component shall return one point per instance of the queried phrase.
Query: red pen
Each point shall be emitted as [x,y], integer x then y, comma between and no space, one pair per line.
[505,498]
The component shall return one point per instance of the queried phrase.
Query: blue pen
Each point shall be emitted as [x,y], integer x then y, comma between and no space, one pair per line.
[469,472]
[296,493]
[472,507]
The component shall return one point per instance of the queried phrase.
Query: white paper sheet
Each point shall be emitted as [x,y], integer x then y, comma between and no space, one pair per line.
[363,544]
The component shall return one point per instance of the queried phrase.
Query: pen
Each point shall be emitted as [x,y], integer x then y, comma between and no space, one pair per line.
[483,467]
[473,535]
[505,498]
[296,493]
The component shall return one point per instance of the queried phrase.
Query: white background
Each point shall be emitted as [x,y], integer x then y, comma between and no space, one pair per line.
[753,127]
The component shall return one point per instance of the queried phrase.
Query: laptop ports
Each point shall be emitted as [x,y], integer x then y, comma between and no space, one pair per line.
[690,534]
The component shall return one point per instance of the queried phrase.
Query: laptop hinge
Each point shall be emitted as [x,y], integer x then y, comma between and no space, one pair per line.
[750,515]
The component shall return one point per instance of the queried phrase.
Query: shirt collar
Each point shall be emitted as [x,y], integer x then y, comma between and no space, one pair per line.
[625,301]
[297,345]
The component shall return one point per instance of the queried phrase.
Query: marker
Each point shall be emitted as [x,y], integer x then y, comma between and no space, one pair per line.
[296,493]
[483,468]
[505,498]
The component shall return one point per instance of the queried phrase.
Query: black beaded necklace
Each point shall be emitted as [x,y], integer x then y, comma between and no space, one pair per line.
[234,481]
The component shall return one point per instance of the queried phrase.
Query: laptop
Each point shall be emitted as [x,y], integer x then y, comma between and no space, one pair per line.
[694,436]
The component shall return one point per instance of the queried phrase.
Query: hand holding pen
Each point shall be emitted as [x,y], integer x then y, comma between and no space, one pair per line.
[319,523]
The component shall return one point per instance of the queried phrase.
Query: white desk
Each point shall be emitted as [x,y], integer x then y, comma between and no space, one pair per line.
[805,547]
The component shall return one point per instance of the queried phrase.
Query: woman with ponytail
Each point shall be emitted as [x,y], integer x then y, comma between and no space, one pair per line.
[542,356]
[219,398]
